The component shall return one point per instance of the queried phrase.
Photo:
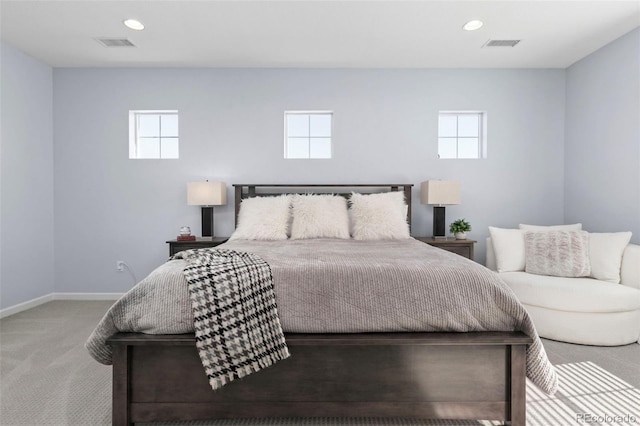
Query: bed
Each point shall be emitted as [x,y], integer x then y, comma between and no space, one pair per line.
[360,373]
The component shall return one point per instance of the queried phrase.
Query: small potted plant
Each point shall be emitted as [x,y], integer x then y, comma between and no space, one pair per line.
[459,228]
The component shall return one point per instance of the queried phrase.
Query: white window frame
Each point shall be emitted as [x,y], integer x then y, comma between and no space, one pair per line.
[133,132]
[286,136]
[482,133]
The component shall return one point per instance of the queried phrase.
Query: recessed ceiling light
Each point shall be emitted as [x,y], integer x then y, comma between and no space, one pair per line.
[134,25]
[473,25]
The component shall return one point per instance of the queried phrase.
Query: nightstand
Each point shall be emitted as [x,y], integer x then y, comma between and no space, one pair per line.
[200,242]
[461,247]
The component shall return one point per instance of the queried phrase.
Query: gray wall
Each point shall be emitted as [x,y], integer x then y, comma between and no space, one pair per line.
[602,146]
[111,208]
[543,167]
[26,178]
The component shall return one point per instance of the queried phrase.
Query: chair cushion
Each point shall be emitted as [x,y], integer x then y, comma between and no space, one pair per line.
[557,253]
[630,270]
[508,246]
[572,294]
[606,250]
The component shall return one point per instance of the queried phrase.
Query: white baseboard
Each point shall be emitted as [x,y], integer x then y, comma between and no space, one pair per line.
[87,296]
[25,305]
[56,296]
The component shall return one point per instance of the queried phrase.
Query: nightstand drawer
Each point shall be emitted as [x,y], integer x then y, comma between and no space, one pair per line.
[176,246]
[462,251]
[462,247]
[173,249]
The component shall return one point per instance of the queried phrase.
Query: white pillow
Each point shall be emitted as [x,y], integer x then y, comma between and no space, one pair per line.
[263,218]
[605,255]
[557,253]
[319,216]
[508,246]
[572,227]
[379,216]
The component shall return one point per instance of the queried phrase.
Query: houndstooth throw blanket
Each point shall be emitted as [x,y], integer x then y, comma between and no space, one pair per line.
[235,317]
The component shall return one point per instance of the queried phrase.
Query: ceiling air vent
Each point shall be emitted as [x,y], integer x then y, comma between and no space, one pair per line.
[501,43]
[115,42]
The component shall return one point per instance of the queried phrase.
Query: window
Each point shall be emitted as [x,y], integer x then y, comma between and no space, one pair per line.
[462,134]
[153,134]
[307,134]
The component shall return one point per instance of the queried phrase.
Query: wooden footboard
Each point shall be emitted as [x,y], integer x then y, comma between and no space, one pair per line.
[419,375]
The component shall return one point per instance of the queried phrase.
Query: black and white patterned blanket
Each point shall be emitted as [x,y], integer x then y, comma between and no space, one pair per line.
[235,315]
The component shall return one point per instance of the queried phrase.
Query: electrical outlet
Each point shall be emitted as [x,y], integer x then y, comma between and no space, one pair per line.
[120,265]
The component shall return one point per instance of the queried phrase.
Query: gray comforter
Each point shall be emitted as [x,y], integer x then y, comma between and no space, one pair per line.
[337,286]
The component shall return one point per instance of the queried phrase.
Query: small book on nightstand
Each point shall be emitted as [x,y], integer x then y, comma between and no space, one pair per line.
[186,238]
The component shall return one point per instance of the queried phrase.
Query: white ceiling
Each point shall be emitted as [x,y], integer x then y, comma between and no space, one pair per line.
[320,33]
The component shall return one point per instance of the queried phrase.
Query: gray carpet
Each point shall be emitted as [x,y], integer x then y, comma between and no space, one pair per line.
[47,378]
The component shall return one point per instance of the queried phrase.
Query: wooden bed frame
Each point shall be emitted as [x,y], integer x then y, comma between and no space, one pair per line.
[413,375]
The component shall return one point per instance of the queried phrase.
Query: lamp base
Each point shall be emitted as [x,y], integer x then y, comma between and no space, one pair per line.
[439,222]
[207,221]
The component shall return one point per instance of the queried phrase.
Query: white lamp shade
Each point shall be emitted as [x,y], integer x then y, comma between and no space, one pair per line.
[440,192]
[206,193]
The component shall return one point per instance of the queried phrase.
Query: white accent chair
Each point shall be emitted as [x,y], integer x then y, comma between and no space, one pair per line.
[581,310]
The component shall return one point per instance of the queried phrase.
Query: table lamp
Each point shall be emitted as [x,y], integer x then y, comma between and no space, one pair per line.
[439,193]
[207,194]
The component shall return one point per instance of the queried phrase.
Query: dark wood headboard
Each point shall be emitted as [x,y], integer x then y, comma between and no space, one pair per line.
[243,191]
